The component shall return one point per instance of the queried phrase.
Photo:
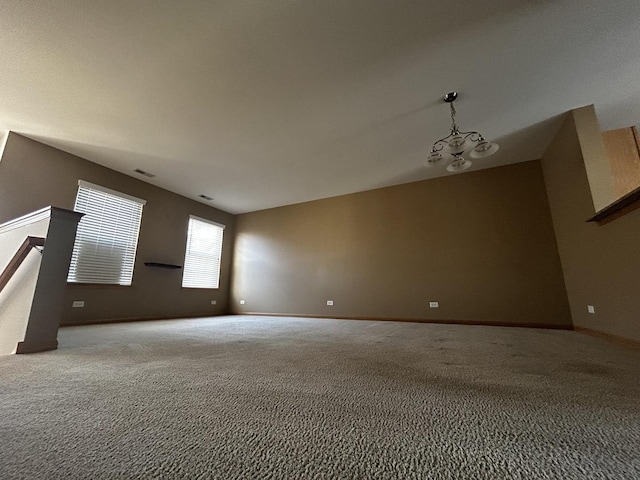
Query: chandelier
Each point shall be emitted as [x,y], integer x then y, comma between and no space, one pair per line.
[452,147]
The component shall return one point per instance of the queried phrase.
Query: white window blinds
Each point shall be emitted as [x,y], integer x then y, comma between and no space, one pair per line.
[202,258]
[107,237]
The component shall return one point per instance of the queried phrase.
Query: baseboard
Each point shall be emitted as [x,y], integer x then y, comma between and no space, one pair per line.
[379,319]
[617,339]
[24,347]
[417,320]
[102,321]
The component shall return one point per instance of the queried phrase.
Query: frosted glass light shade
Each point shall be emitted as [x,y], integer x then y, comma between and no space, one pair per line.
[458,165]
[434,158]
[457,144]
[484,149]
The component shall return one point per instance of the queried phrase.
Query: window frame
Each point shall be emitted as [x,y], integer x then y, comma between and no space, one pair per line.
[218,273]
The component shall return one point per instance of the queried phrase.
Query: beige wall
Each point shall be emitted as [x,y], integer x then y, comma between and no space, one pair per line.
[33,175]
[481,244]
[601,264]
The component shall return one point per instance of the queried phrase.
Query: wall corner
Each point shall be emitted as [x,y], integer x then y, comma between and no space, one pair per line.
[595,157]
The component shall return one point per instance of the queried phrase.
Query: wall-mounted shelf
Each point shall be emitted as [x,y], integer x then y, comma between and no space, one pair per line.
[626,204]
[162,265]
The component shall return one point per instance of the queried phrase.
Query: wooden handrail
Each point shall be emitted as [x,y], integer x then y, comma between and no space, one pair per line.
[18,258]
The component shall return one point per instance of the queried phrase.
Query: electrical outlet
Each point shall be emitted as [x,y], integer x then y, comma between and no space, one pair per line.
[590,309]
[434,305]
[213,302]
[78,304]
[241,302]
[330,302]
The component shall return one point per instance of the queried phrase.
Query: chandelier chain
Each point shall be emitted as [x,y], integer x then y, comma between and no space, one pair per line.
[454,126]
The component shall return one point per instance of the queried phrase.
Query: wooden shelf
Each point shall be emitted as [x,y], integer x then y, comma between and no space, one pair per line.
[162,265]
[623,205]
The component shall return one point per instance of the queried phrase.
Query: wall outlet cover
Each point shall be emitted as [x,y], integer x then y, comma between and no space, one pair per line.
[434,305]
[330,302]
[78,304]
[591,309]
[241,302]
[213,302]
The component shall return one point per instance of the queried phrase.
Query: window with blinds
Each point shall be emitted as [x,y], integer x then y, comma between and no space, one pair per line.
[202,258]
[107,237]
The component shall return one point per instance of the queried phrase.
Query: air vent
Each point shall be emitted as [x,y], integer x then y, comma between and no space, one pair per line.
[205,197]
[146,174]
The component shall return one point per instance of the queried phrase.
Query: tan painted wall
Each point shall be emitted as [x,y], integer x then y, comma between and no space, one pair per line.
[33,175]
[481,244]
[601,264]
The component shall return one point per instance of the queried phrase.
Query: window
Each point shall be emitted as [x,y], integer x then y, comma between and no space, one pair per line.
[105,248]
[204,249]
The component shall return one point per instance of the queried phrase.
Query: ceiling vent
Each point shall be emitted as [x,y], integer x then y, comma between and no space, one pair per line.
[146,174]
[205,197]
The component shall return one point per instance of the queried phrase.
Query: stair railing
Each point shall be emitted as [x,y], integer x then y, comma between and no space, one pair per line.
[18,258]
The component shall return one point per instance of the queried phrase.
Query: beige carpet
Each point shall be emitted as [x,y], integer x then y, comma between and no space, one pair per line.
[249,397]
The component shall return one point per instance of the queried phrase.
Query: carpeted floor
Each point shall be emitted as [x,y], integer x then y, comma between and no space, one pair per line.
[259,397]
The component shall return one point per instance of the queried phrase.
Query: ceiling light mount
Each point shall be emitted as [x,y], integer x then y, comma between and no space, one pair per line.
[451,97]
[451,148]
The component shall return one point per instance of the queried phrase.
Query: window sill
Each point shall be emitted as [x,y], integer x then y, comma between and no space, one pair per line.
[96,285]
[200,288]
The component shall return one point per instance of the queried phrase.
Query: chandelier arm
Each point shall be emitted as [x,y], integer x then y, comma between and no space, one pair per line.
[440,145]
[444,140]
[470,135]
[443,143]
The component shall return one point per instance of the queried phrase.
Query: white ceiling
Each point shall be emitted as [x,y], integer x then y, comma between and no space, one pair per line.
[261,103]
